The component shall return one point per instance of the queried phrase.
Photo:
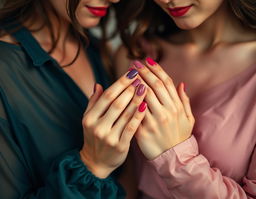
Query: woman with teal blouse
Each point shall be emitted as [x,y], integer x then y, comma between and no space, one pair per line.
[55,142]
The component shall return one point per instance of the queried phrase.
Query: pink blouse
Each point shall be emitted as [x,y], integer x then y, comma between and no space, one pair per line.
[219,160]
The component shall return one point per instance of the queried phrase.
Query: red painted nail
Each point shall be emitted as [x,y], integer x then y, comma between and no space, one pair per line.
[142,106]
[150,61]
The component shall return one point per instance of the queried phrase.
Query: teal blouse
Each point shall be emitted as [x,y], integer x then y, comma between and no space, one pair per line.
[41,109]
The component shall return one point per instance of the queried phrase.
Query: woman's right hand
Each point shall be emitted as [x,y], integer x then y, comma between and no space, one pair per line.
[110,121]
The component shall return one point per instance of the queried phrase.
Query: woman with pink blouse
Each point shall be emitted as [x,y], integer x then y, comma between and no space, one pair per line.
[210,47]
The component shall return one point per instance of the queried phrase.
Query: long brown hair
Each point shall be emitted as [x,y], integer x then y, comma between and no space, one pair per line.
[144,18]
[22,11]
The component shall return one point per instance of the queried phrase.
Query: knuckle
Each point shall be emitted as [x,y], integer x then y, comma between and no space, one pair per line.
[86,122]
[108,95]
[117,104]
[153,126]
[111,142]
[130,128]
[158,83]
[97,132]
[168,81]
[163,119]
[127,115]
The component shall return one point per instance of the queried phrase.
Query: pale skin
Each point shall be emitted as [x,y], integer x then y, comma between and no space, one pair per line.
[206,53]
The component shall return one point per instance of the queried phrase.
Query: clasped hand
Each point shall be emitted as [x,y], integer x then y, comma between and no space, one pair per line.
[169,120]
[110,121]
[163,120]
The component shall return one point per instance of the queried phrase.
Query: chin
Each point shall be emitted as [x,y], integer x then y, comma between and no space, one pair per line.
[89,23]
[187,25]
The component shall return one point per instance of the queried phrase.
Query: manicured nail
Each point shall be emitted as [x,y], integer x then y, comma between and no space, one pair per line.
[142,106]
[141,90]
[150,61]
[132,74]
[138,64]
[136,83]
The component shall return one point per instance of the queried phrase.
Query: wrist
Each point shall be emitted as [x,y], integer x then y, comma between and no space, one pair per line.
[95,169]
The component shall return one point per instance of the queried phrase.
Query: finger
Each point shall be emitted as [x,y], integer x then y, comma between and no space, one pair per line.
[153,102]
[185,101]
[133,125]
[112,93]
[118,106]
[129,112]
[155,83]
[164,77]
[98,90]
[149,120]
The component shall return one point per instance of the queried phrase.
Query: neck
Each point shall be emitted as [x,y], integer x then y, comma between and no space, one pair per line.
[59,30]
[222,27]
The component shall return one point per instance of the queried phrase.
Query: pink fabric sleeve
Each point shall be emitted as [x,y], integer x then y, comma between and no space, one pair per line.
[188,174]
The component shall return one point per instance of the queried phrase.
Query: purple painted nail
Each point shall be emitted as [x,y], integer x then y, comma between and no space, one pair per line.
[132,74]
[136,83]
[138,64]
[141,90]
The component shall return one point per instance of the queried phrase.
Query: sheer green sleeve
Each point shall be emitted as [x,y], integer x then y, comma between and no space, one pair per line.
[67,178]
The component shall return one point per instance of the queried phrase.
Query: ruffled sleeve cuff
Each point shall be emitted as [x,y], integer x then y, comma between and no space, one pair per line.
[72,175]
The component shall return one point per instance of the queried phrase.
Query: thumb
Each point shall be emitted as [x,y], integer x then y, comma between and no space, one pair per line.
[98,90]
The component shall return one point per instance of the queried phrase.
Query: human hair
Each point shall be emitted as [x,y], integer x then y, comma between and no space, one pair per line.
[21,11]
[149,21]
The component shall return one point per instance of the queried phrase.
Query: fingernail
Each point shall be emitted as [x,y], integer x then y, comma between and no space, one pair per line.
[150,61]
[138,64]
[136,83]
[132,74]
[142,106]
[141,90]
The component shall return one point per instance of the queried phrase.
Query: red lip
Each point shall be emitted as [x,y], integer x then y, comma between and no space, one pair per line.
[179,11]
[98,11]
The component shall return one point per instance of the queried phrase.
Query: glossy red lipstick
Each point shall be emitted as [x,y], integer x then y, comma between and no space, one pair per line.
[98,11]
[179,11]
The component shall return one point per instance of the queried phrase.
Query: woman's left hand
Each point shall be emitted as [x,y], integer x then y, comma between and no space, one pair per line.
[169,120]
